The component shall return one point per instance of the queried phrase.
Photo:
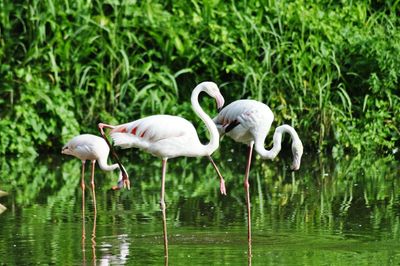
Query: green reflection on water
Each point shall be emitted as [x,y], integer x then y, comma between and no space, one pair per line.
[327,213]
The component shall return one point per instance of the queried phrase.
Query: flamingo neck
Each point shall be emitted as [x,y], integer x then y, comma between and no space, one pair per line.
[212,128]
[297,146]
[104,166]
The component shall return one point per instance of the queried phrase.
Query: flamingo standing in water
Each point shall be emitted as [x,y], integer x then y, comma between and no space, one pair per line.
[248,122]
[169,136]
[94,148]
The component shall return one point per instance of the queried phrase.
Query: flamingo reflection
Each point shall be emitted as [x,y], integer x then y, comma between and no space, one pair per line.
[93,238]
[108,257]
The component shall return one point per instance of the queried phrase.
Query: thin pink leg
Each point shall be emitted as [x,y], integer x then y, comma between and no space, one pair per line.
[162,205]
[83,197]
[83,211]
[93,187]
[246,186]
[221,178]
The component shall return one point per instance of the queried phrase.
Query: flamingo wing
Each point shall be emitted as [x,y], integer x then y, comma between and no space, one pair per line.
[231,126]
[86,147]
[247,113]
[240,118]
[143,132]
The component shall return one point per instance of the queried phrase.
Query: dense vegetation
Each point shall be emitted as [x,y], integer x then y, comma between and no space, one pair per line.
[329,68]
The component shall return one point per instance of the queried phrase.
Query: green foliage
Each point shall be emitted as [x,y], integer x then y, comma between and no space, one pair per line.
[329,68]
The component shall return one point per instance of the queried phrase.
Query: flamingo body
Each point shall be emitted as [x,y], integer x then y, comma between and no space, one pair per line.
[249,116]
[93,148]
[249,121]
[161,135]
[87,147]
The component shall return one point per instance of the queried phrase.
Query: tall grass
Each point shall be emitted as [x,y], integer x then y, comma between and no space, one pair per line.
[329,69]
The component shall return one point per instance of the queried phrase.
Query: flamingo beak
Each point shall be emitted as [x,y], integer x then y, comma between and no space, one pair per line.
[123,181]
[220,102]
[297,150]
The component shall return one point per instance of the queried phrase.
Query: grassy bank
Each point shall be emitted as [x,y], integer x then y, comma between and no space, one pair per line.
[329,69]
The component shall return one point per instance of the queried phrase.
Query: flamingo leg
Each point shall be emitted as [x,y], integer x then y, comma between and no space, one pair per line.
[126,182]
[83,197]
[162,205]
[83,210]
[221,178]
[92,183]
[247,186]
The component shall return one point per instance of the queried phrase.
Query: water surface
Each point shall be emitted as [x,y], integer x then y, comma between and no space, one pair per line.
[331,212]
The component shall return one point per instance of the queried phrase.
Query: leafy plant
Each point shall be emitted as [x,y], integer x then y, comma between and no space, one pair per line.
[329,69]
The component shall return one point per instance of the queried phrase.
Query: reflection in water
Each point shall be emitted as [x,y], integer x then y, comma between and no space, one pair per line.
[83,232]
[248,200]
[328,212]
[108,254]
[165,236]
[162,206]
[93,239]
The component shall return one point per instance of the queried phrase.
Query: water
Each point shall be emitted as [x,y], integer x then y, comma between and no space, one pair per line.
[329,213]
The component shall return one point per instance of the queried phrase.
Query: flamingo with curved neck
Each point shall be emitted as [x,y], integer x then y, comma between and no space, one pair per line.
[93,148]
[168,136]
[248,122]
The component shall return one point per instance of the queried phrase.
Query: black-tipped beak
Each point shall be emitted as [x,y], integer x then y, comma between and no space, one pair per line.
[219,109]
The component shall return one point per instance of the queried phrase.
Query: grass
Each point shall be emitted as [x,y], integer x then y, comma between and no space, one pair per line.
[329,69]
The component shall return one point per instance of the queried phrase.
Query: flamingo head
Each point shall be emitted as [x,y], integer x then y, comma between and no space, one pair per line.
[66,150]
[123,180]
[212,89]
[297,150]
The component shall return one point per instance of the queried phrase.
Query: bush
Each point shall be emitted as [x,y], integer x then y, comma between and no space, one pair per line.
[329,69]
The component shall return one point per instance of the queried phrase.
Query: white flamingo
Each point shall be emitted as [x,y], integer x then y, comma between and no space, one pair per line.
[248,122]
[93,148]
[169,136]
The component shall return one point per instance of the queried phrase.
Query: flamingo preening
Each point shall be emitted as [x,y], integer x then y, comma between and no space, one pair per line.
[169,136]
[248,122]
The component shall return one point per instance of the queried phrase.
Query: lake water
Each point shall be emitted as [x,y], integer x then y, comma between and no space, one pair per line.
[331,212]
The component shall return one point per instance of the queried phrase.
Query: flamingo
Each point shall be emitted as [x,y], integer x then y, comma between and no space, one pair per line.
[94,148]
[248,122]
[169,136]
